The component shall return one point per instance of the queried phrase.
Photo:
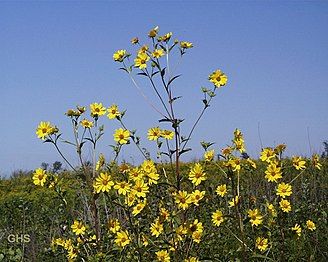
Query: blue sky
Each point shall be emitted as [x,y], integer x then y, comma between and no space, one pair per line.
[55,55]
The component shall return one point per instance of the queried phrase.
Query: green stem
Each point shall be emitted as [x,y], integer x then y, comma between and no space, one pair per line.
[157,93]
[142,93]
[61,154]
[138,146]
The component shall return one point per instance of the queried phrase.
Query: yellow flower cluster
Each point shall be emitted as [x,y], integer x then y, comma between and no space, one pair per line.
[169,222]
[255,217]
[238,141]
[155,133]
[209,155]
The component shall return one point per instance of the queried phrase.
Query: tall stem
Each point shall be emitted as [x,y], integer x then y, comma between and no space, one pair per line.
[175,123]
[94,196]
[196,122]
[157,93]
[142,93]
[61,154]
[239,218]
[137,145]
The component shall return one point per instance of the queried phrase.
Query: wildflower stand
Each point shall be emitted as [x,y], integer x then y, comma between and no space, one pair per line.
[169,211]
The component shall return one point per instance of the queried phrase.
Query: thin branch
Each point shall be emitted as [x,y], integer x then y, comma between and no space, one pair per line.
[142,93]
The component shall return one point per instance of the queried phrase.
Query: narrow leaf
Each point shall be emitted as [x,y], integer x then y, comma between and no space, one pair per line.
[142,74]
[163,72]
[172,79]
[184,151]
[164,120]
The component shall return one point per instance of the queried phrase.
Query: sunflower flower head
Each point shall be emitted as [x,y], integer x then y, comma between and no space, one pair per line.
[113,225]
[97,109]
[218,78]
[315,161]
[103,183]
[156,228]
[273,172]
[141,60]
[113,112]
[298,163]
[122,188]
[120,55]
[121,136]
[139,207]
[267,155]
[197,174]
[163,256]
[196,196]
[262,243]
[167,134]
[140,188]
[153,32]
[284,190]
[86,123]
[154,133]
[158,53]
[221,190]
[186,45]
[78,228]
[39,177]
[182,199]
[285,205]
[122,238]
[217,217]
[45,129]
[297,229]
[209,155]
[310,225]
[255,217]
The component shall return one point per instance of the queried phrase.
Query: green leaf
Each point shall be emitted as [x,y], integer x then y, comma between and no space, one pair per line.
[155,73]
[124,69]
[68,142]
[164,120]
[89,139]
[211,94]
[172,79]
[184,151]
[164,153]
[173,46]
[142,74]
[163,47]
[81,145]
[123,113]
[206,145]
[163,72]
[175,98]
[204,89]
[205,102]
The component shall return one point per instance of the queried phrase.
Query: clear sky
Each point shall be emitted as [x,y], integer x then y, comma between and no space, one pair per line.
[55,55]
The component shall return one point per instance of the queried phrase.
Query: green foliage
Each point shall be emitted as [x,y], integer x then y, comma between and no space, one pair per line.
[27,209]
